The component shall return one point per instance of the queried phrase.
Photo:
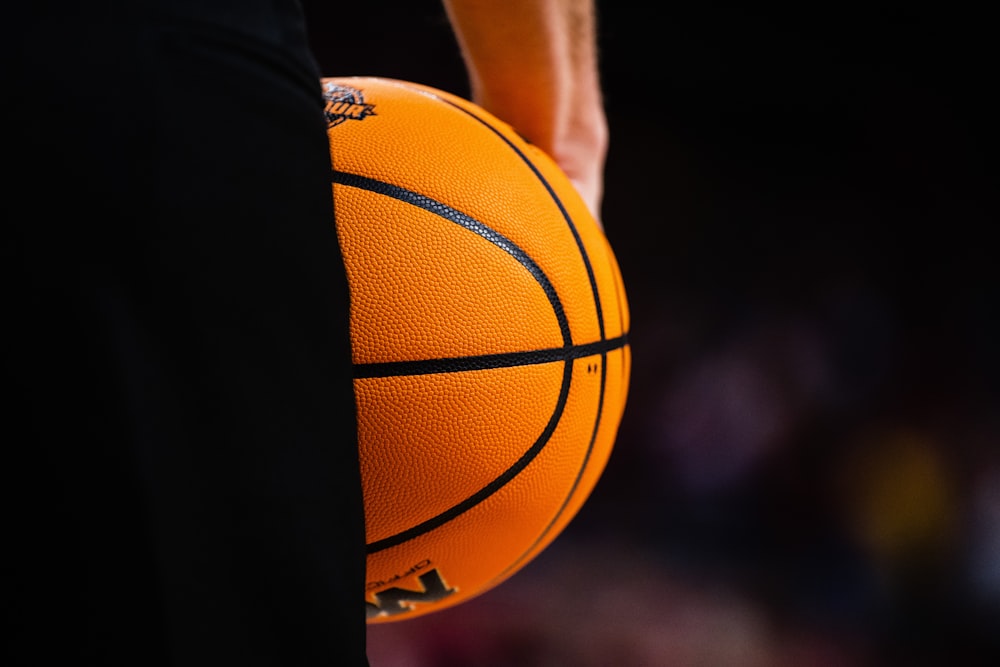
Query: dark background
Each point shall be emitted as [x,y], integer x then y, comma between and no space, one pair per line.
[802,204]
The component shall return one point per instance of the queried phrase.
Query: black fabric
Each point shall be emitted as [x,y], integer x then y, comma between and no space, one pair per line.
[184,473]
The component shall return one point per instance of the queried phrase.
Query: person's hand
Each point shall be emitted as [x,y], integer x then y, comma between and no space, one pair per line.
[533,64]
[582,153]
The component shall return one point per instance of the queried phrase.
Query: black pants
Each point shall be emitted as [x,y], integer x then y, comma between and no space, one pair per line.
[185,466]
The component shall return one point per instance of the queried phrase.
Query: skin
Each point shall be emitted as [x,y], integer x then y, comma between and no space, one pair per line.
[533,64]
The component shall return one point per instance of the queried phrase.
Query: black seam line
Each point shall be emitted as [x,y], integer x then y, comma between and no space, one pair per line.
[486,361]
[576,482]
[470,223]
[491,488]
[558,202]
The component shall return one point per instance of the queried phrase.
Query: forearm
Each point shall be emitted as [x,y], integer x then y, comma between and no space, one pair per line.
[534,64]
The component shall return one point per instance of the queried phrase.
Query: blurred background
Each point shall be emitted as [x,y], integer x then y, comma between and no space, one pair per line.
[808,471]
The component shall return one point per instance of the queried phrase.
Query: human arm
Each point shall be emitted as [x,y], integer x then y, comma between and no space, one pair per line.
[534,65]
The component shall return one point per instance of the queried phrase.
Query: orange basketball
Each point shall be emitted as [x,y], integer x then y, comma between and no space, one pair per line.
[488,325]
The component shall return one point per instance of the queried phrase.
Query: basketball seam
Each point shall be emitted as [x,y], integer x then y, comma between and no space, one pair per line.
[495,485]
[557,201]
[468,222]
[485,361]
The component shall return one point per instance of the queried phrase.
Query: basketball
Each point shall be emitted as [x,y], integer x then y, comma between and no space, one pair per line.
[489,328]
